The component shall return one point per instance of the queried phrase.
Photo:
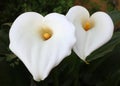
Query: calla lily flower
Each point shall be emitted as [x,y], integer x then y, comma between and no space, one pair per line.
[40,42]
[91,31]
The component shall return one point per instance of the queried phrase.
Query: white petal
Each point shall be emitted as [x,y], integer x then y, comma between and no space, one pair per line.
[38,55]
[77,15]
[99,34]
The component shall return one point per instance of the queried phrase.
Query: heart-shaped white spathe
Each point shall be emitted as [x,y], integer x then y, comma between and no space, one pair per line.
[41,42]
[100,29]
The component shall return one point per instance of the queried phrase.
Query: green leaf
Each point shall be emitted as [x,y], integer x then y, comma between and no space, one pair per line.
[7,24]
[4,41]
[102,71]
[112,79]
[10,57]
[115,15]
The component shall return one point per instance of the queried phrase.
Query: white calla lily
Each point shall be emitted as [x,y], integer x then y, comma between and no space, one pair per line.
[41,42]
[91,31]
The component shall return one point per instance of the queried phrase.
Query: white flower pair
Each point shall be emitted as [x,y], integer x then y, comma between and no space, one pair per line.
[43,42]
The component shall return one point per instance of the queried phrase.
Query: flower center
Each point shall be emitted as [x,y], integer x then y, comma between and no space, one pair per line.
[45,33]
[87,25]
[46,36]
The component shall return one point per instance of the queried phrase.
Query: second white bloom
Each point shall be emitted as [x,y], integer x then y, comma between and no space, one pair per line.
[91,31]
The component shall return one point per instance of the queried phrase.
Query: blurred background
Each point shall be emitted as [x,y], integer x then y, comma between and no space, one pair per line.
[104,67]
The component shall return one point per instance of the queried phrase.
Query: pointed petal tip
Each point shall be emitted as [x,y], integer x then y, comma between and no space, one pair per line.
[38,79]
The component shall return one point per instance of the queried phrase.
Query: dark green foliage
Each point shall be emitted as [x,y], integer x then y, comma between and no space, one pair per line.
[104,67]
[115,15]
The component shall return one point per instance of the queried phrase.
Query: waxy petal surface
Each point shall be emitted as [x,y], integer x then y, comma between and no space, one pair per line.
[100,32]
[39,55]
